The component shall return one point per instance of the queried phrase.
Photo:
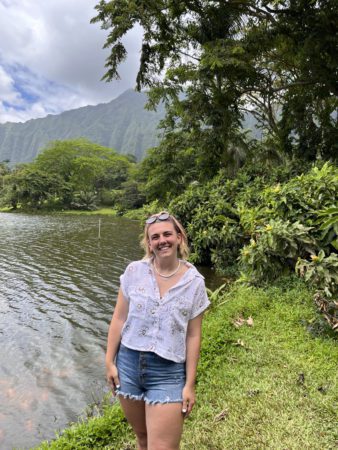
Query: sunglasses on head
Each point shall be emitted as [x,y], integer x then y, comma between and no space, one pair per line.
[158,217]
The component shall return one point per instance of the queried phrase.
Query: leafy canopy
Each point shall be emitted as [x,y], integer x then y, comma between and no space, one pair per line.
[276,59]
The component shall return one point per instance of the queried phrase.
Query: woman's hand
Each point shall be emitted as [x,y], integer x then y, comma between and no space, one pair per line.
[188,395]
[112,377]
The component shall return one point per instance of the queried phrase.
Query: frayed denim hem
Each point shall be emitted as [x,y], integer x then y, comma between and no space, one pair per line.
[161,402]
[130,396]
[147,400]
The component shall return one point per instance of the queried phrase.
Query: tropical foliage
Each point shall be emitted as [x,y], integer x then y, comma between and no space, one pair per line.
[213,62]
[322,272]
[66,174]
[269,228]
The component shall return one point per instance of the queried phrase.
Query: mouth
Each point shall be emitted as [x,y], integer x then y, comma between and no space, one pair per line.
[163,248]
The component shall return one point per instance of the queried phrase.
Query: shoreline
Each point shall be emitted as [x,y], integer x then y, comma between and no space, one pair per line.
[133,214]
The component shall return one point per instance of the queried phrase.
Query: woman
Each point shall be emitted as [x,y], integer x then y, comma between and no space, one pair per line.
[155,334]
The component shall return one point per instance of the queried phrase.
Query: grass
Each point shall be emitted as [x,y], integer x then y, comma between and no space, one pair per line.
[109,431]
[135,214]
[77,212]
[96,212]
[6,209]
[272,385]
[269,386]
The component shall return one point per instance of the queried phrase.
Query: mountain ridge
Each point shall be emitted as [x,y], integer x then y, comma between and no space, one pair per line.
[122,124]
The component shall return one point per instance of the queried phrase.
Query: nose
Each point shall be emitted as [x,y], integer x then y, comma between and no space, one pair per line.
[162,239]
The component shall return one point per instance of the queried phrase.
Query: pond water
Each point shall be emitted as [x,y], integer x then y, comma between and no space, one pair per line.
[58,284]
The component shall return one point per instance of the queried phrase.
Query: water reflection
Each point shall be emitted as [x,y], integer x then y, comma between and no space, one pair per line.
[58,283]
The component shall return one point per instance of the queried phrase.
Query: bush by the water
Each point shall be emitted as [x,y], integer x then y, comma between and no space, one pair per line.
[264,225]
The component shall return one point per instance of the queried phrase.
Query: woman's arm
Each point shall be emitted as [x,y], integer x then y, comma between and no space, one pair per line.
[193,351]
[114,338]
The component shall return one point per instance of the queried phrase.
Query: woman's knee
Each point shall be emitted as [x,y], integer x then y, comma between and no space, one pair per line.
[142,439]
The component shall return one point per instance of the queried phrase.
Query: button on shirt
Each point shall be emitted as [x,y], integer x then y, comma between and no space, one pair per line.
[159,324]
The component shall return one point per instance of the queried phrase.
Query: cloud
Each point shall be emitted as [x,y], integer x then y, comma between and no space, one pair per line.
[51,58]
[25,95]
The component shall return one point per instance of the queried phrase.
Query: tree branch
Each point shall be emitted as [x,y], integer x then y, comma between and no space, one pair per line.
[295,83]
[260,13]
[189,56]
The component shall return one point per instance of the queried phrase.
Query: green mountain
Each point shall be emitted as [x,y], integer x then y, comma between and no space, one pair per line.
[122,124]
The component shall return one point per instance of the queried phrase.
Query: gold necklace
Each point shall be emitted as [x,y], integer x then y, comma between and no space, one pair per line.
[171,274]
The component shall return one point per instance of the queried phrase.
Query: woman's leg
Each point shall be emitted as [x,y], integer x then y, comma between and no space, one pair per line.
[134,411]
[164,426]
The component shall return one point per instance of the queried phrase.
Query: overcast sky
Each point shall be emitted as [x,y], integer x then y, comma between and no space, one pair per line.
[51,58]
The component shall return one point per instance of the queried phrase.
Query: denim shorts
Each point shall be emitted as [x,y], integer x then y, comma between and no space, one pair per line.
[149,377]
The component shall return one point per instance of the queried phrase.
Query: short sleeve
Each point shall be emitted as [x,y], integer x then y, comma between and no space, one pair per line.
[125,281]
[201,301]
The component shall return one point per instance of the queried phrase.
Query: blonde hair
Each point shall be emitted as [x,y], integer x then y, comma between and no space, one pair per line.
[182,250]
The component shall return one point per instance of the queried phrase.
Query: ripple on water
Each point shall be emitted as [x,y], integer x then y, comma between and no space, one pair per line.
[58,284]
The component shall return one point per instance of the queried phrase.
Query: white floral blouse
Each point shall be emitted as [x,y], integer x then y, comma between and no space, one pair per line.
[157,324]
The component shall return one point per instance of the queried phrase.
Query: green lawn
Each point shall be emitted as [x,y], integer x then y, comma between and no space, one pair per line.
[271,385]
[101,212]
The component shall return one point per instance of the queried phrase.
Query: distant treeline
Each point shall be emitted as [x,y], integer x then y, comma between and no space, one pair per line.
[74,174]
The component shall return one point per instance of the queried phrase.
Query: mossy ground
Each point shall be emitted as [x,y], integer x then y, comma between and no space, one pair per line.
[271,385]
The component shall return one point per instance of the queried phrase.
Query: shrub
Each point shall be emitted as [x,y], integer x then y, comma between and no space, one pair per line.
[130,196]
[322,273]
[299,201]
[301,198]
[210,216]
[273,250]
[266,223]
[328,224]
[84,200]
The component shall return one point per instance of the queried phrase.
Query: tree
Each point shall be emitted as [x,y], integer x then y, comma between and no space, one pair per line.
[30,186]
[211,61]
[169,168]
[4,170]
[66,173]
[84,166]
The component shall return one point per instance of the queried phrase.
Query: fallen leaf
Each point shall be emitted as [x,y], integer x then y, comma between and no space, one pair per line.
[239,322]
[322,389]
[241,343]
[301,378]
[221,416]
[250,321]
[253,392]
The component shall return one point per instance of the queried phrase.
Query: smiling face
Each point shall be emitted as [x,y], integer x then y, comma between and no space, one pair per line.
[163,240]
